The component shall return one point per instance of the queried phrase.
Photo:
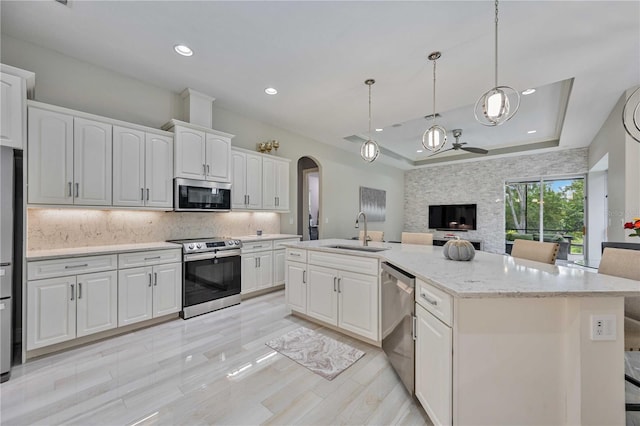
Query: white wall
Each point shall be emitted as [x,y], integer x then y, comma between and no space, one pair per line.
[65,81]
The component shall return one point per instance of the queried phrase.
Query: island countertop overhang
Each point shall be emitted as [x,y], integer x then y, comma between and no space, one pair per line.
[488,274]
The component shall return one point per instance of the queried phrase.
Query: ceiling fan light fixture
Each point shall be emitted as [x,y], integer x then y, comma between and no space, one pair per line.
[493,108]
[435,137]
[369,150]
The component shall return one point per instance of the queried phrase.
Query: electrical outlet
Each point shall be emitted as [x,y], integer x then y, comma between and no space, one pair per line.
[603,327]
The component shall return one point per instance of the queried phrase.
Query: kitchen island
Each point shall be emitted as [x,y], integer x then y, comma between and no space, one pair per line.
[499,340]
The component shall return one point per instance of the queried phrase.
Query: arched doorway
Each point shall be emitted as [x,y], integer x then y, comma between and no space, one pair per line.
[308,198]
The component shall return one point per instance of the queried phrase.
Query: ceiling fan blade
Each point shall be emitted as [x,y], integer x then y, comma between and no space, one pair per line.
[440,152]
[474,150]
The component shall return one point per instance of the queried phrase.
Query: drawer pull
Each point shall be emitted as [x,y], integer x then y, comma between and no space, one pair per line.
[431,301]
[256,247]
[295,254]
[152,258]
[84,265]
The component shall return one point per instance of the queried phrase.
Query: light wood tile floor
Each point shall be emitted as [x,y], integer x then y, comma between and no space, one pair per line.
[212,369]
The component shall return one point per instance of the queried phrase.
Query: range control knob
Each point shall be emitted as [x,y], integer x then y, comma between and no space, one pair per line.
[199,245]
[237,242]
[191,246]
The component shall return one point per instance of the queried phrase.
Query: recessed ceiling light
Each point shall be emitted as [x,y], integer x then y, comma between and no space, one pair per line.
[528,91]
[183,50]
[419,151]
[270,91]
[531,131]
[379,130]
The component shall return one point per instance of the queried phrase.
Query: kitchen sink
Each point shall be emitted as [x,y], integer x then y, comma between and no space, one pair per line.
[358,248]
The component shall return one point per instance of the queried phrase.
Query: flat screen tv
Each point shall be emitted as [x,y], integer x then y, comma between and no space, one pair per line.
[453,217]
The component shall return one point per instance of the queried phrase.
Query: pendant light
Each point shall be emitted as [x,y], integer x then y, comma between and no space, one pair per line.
[493,107]
[369,150]
[436,136]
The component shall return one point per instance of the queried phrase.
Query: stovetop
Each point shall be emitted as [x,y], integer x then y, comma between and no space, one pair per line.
[200,245]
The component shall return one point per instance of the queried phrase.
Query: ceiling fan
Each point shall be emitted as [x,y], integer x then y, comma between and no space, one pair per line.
[457,145]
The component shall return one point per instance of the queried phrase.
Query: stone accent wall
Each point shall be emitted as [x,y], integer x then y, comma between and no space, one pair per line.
[66,228]
[481,182]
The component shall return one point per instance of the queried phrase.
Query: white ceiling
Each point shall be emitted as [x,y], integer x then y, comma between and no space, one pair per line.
[580,55]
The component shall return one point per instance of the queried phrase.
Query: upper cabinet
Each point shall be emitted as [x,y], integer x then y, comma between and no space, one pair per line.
[246,183]
[14,84]
[92,162]
[275,183]
[201,153]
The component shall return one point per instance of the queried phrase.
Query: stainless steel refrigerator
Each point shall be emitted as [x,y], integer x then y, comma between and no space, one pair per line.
[7,207]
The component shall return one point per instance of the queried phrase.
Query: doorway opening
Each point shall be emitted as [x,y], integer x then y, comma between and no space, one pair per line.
[308,199]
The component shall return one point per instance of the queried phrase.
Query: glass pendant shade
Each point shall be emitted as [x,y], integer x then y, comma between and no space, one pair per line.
[369,151]
[434,138]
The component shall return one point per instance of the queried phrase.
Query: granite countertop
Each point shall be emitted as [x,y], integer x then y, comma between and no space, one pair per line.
[97,250]
[488,274]
[264,237]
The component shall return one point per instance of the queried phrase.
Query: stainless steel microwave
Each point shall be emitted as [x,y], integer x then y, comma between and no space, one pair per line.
[201,196]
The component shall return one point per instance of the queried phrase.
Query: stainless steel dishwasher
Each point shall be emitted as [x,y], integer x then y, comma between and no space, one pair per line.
[398,322]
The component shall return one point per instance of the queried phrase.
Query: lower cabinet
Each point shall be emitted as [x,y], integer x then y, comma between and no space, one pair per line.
[257,272]
[279,272]
[296,287]
[149,292]
[63,308]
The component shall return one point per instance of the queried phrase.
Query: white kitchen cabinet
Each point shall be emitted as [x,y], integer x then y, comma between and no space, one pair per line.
[142,169]
[148,292]
[434,368]
[50,157]
[201,153]
[92,162]
[63,308]
[278,267]
[70,159]
[246,182]
[322,294]
[296,286]
[14,83]
[275,183]
[257,271]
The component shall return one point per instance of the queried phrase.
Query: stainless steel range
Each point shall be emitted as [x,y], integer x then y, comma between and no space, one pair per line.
[210,274]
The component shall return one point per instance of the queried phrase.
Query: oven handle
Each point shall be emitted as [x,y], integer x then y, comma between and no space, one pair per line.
[205,256]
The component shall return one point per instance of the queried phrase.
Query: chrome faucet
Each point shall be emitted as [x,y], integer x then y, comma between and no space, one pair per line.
[365,241]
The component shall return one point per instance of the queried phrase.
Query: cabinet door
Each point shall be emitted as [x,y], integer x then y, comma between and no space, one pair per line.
[167,289]
[278,267]
[189,153]
[358,304]
[265,269]
[238,180]
[12,97]
[50,141]
[269,184]
[158,171]
[254,181]
[51,311]
[249,277]
[282,185]
[128,167]
[218,158]
[92,160]
[97,302]
[434,379]
[322,294]
[135,295]
[296,286]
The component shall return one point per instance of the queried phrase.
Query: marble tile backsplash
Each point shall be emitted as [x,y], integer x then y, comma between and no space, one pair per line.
[481,182]
[65,228]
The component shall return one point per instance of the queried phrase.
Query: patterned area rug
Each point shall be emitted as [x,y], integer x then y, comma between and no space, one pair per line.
[321,354]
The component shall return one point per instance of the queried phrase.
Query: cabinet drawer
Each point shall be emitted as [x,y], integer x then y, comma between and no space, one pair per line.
[70,266]
[147,258]
[279,244]
[435,301]
[256,246]
[296,255]
[357,264]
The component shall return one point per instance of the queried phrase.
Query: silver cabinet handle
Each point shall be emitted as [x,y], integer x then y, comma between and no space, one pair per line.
[151,258]
[257,247]
[77,189]
[84,265]
[248,199]
[295,254]
[414,329]
[334,283]
[149,279]
[259,263]
[431,301]
[204,169]
[255,262]
[339,289]
[208,172]
[155,278]
[72,291]
[79,290]
[70,193]
[142,194]
[147,194]
[304,277]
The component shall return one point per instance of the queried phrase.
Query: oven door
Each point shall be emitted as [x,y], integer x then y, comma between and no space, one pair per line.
[200,195]
[210,276]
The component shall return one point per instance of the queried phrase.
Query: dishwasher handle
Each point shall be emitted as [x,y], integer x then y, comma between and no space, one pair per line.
[399,274]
